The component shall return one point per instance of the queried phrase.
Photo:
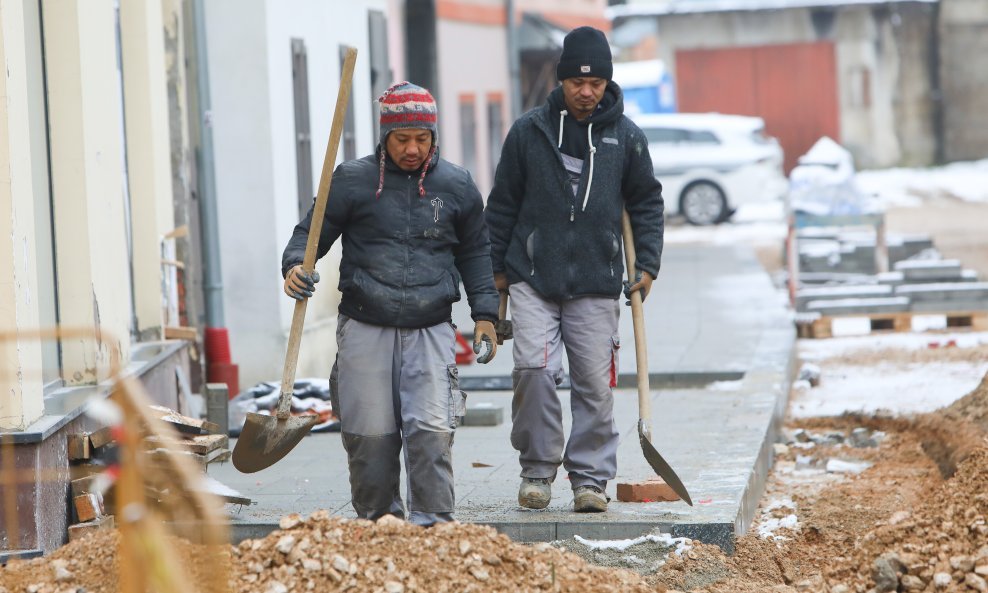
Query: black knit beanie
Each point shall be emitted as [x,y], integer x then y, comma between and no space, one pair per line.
[585,53]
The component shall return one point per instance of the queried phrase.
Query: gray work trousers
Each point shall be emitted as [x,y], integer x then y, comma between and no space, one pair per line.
[588,328]
[397,389]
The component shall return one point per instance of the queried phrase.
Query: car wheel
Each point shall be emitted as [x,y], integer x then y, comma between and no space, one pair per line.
[703,203]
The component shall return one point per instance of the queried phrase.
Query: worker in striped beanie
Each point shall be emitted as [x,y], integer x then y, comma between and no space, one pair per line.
[409,251]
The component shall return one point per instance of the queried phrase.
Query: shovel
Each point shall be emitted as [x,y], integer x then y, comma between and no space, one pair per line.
[658,464]
[266,439]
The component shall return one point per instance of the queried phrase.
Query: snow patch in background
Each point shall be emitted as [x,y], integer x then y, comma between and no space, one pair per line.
[765,223]
[966,181]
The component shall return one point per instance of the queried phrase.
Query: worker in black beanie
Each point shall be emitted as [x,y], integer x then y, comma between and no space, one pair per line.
[568,169]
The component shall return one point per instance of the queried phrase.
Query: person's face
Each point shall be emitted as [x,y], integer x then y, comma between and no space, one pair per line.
[409,148]
[583,94]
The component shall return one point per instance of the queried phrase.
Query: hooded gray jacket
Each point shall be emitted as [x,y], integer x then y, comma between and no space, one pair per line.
[404,254]
[565,245]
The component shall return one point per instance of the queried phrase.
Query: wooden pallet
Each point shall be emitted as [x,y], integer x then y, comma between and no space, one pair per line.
[821,326]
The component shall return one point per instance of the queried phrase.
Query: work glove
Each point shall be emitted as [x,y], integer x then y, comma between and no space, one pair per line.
[484,335]
[643,282]
[300,285]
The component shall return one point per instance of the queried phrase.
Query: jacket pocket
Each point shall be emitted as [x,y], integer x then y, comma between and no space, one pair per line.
[530,251]
[615,250]
[531,347]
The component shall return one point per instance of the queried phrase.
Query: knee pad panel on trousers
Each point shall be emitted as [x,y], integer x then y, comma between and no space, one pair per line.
[375,472]
[430,471]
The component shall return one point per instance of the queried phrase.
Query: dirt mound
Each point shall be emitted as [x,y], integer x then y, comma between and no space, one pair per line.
[973,407]
[324,553]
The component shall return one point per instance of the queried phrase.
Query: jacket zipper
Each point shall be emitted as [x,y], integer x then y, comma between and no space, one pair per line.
[408,233]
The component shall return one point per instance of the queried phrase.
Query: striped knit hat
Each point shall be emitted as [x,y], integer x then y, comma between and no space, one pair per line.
[403,106]
[406,105]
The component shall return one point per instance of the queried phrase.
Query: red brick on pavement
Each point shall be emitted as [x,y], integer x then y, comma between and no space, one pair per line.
[654,490]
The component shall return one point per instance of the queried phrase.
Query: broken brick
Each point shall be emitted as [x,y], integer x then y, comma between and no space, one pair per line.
[646,491]
[88,507]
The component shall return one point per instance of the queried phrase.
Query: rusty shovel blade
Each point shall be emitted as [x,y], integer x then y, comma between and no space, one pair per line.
[658,464]
[265,439]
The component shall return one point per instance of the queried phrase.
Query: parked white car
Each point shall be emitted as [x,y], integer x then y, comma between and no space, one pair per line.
[711,163]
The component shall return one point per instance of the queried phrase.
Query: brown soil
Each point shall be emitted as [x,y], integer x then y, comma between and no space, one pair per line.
[936,353]
[919,514]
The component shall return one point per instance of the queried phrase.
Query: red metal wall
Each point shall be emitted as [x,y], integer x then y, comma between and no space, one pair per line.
[793,87]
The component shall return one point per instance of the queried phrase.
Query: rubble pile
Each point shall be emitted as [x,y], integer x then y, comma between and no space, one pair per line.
[325,553]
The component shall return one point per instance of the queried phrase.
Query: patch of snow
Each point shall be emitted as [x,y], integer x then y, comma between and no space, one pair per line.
[769,523]
[768,527]
[840,466]
[850,326]
[725,385]
[901,389]
[682,544]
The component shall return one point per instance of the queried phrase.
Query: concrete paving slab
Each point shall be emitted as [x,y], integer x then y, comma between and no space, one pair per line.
[715,324]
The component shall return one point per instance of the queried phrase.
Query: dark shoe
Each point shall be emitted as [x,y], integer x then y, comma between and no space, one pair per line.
[589,499]
[535,493]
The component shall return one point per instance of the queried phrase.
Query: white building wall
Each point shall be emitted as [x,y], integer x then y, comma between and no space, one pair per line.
[250,70]
[479,71]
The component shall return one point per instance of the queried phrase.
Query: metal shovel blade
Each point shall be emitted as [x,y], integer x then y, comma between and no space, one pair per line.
[660,466]
[266,439]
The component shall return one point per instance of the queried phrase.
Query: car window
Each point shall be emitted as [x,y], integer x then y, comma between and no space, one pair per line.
[678,136]
[664,135]
[702,137]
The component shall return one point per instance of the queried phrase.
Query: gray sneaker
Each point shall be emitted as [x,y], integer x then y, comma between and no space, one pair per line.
[589,499]
[535,493]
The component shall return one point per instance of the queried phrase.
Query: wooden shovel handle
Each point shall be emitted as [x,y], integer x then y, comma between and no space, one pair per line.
[315,228]
[638,317]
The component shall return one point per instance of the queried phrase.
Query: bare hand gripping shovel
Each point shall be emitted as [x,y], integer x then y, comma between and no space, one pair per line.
[264,439]
[641,357]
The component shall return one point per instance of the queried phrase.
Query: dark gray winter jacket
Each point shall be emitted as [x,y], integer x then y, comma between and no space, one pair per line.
[404,254]
[564,245]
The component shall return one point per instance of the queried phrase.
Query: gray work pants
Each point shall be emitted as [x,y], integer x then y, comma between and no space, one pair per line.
[588,328]
[398,389]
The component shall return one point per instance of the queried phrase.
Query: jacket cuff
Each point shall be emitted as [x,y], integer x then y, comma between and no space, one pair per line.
[288,266]
[484,317]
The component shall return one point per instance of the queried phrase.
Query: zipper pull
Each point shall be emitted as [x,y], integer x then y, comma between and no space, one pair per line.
[572,212]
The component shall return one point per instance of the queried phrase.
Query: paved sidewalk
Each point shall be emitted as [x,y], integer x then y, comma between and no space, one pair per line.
[720,348]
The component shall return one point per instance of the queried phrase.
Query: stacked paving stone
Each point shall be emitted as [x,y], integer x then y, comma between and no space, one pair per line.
[837,272]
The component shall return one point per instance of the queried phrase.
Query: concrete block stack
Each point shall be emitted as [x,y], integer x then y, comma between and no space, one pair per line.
[837,277]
